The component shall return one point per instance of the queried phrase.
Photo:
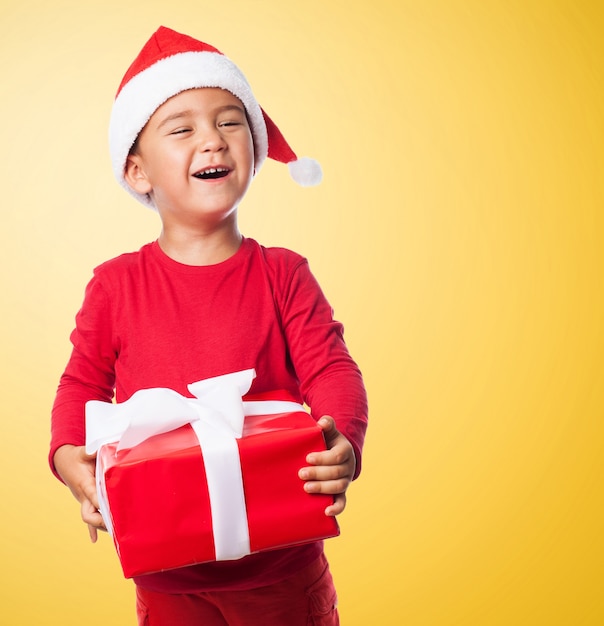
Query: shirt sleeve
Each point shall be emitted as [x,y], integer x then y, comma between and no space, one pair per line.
[89,374]
[330,380]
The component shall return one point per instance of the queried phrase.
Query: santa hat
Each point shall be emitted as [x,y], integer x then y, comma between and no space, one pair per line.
[170,63]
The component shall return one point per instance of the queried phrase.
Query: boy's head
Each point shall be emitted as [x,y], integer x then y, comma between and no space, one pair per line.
[170,63]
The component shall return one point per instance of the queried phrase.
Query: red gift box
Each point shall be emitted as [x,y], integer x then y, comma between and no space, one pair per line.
[158,502]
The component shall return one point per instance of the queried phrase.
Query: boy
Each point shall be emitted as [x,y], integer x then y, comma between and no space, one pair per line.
[186,138]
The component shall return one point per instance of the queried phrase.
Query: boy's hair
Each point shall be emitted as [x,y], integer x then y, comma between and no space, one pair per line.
[170,63]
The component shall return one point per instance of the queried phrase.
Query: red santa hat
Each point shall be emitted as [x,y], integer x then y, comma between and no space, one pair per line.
[171,62]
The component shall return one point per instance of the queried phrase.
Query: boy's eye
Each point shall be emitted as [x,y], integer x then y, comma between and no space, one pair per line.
[180,131]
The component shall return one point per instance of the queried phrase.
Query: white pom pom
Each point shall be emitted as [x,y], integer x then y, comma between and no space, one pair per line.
[306,172]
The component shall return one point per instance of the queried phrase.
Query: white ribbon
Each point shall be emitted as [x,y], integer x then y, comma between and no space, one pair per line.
[216,415]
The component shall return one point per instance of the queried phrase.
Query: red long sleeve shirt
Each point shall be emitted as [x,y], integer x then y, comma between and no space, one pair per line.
[149,321]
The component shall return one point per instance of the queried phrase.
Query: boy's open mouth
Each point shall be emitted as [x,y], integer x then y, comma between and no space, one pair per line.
[211,173]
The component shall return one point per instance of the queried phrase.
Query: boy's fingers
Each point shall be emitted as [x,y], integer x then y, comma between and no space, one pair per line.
[324,472]
[326,423]
[91,495]
[91,516]
[93,533]
[338,455]
[330,471]
[332,487]
[89,513]
[328,426]
[339,504]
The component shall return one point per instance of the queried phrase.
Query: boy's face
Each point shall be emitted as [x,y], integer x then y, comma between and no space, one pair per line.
[195,156]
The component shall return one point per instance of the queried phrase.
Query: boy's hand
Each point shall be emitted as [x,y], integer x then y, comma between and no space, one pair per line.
[76,468]
[332,470]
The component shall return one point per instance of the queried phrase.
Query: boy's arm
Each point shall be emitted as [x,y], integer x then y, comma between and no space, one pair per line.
[330,380]
[89,375]
[331,384]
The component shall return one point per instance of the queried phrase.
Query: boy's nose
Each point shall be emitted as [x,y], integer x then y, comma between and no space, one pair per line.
[211,139]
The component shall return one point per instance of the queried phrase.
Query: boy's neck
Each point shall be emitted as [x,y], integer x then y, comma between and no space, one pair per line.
[200,248]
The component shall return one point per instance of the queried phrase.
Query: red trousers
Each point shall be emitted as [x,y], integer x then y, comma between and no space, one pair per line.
[306,599]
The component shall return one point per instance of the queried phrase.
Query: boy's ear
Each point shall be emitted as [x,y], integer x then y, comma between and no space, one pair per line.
[135,176]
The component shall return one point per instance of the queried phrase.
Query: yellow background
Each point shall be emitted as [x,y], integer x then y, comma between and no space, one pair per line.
[458,234]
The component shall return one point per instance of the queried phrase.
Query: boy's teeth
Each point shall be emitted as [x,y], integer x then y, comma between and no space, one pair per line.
[212,171]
